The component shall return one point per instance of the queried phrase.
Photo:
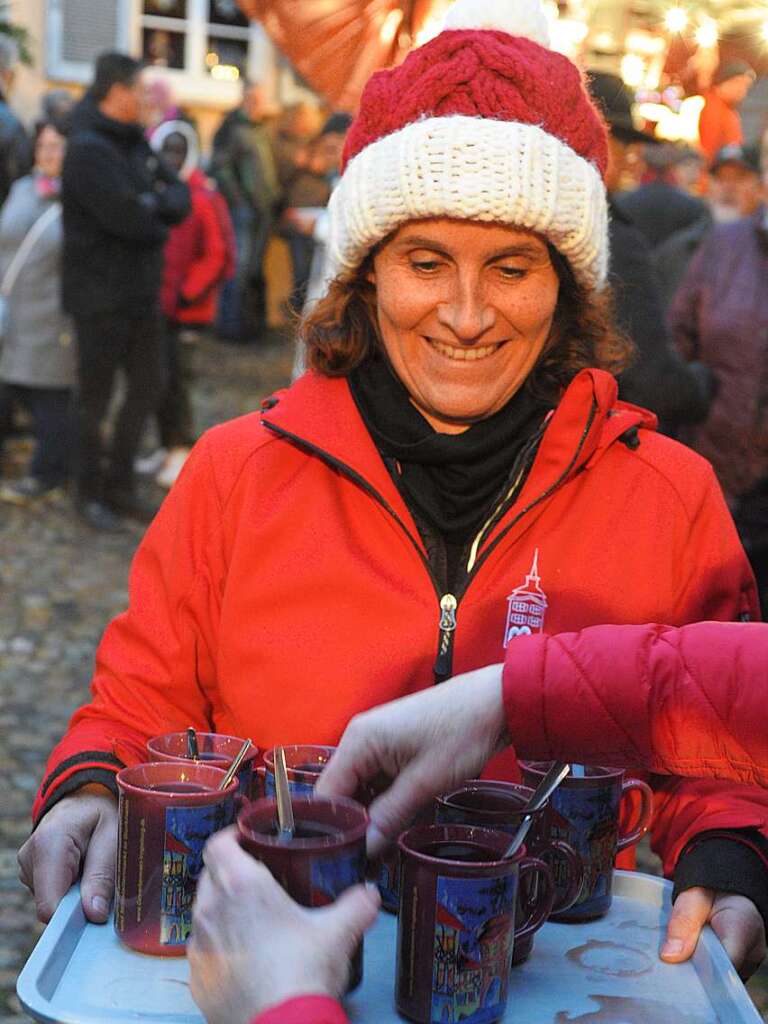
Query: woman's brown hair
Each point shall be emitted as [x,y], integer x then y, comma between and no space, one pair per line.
[341,331]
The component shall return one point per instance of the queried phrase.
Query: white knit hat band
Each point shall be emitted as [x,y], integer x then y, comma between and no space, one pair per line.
[472,168]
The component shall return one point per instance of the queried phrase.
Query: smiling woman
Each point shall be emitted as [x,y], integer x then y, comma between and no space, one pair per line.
[455,471]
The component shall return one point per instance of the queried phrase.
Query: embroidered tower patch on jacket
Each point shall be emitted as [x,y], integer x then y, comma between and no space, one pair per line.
[526,606]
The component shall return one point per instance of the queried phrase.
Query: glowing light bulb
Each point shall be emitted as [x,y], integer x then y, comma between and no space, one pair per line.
[676,19]
[764,31]
[632,69]
[706,34]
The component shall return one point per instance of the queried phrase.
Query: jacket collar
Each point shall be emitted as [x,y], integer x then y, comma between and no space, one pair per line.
[319,412]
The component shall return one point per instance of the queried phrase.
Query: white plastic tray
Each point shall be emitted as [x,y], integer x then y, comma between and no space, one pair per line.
[602,972]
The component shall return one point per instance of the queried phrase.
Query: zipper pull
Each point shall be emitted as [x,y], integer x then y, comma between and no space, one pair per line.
[444,661]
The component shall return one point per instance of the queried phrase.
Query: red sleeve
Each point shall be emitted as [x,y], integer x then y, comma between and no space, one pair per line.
[208,265]
[685,701]
[155,663]
[304,1010]
[715,582]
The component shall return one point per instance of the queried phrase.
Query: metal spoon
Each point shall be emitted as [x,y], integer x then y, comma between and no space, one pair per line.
[547,787]
[284,808]
[192,750]
[541,794]
[233,768]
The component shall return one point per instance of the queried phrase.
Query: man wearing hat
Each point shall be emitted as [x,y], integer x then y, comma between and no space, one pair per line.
[719,121]
[659,380]
[734,191]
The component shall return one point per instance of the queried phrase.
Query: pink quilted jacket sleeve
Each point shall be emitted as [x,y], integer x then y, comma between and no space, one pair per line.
[679,701]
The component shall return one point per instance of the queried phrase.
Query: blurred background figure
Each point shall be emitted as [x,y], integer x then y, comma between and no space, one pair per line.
[735,190]
[660,206]
[119,201]
[15,149]
[37,356]
[159,105]
[243,165]
[720,317]
[327,154]
[200,256]
[56,108]
[305,190]
[660,380]
[719,121]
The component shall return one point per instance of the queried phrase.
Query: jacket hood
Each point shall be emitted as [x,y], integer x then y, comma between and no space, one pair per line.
[87,117]
[185,129]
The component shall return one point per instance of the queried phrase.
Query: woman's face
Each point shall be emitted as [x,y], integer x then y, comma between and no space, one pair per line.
[49,152]
[464,312]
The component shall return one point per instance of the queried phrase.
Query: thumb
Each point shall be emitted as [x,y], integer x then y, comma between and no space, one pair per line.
[349,918]
[690,913]
[98,883]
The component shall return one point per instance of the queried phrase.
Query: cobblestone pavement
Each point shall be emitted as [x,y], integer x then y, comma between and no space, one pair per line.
[60,583]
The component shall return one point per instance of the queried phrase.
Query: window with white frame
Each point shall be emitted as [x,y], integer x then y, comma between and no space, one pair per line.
[210,38]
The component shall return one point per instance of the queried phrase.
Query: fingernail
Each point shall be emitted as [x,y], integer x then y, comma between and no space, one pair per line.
[672,947]
[99,905]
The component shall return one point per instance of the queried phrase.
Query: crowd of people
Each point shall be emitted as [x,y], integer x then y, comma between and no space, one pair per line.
[477,413]
[116,240]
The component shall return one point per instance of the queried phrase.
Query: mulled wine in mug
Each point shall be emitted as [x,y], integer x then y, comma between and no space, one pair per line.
[586,811]
[325,856]
[501,806]
[456,924]
[303,761]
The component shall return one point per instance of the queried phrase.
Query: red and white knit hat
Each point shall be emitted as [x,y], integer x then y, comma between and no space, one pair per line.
[483,122]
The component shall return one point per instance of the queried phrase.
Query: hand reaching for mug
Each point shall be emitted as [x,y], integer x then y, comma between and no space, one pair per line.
[80,831]
[252,946]
[423,744]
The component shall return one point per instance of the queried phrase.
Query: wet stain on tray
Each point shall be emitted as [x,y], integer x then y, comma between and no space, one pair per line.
[612,958]
[627,1010]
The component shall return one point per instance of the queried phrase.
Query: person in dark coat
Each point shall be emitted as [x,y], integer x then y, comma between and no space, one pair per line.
[659,207]
[15,145]
[119,201]
[660,380]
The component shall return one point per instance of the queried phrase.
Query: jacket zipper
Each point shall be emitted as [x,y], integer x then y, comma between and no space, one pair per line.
[449,603]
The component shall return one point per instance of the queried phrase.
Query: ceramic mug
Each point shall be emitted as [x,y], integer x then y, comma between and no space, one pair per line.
[456,925]
[303,761]
[214,748]
[500,805]
[326,856]
[167,811]
[586,811]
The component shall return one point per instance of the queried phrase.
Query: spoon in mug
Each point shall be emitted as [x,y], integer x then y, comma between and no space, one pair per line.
[192,750]
[542,793]
[285,820]
[233,768]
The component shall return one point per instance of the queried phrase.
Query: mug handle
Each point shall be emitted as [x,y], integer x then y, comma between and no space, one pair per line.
[555,850]
[637,831]
[539,898]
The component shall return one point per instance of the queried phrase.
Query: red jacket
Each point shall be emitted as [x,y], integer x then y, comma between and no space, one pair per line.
[195,259]
[627,695]
[283,586]
[719,125]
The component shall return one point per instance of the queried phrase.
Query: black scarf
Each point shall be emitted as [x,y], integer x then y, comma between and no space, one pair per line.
[451,480]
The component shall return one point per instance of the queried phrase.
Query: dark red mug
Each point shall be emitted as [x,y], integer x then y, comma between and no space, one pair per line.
[456,925]
[303,762]
[166,813]
[326,856]
[214,748]
[500,805]
[586,811]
